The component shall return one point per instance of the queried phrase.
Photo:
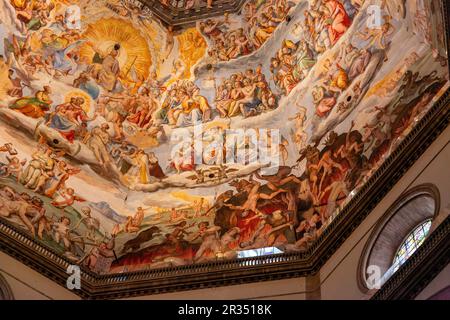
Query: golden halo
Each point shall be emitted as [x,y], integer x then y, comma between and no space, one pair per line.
[134,52]
[86,106]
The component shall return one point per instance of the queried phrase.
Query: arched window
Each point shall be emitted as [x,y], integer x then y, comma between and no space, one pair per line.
[411,243]
[397,235]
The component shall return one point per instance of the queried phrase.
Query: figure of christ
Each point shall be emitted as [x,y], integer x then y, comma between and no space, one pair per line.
[110,70]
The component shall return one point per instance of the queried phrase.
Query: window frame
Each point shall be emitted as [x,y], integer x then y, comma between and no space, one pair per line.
[373,250]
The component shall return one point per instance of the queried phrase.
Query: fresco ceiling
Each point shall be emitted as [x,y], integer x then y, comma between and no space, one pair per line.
[128,145]
[183,12]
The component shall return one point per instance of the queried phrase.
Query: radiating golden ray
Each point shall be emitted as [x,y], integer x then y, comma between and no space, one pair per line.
[192,46]
[157,42]
[134,52]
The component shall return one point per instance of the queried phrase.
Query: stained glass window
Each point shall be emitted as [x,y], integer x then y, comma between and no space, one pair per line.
[411,243]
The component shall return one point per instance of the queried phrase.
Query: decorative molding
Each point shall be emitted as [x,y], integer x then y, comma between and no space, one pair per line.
[178,17]
[20,245]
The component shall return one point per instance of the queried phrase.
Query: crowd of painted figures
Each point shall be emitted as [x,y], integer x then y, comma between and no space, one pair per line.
[110,108]
[261,18]
[44,176]
[287,210]
[245,93]
[139,105]
[325,23]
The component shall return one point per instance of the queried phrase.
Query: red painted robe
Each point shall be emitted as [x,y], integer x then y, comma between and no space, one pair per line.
[341,21]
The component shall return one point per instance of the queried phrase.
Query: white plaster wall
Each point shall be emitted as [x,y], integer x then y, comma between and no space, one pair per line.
[441,281]
[27,284]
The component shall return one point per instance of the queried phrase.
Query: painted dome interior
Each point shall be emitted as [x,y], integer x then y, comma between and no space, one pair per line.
[130,140]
